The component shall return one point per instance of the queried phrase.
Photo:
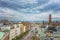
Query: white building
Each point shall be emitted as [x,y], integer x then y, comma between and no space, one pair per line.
[41,33]
[5,27]
[13,29]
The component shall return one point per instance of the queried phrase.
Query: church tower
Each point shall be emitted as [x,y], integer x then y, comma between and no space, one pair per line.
[50,19]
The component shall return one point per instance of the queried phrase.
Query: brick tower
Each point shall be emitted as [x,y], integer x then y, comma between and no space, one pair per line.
[50,19]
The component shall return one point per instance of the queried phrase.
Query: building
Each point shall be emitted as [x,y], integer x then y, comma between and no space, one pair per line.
[41,33]
[50,19]
[50,22]
[13,29]
[27,25]
[53,23]
[4,36]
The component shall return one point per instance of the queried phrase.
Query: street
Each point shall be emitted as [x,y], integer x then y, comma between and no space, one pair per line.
[29,35]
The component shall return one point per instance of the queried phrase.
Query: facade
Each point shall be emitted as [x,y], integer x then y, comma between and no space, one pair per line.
[27,25]
[5,28]
[16,30]
[41,33]
[23,28]
[13,30]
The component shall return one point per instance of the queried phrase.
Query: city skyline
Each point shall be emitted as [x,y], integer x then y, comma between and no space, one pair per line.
[28,10]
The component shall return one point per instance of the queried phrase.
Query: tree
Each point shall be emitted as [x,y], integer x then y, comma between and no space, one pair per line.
[51,29]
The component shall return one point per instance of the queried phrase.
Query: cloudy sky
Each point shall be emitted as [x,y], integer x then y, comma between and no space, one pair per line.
[29,10]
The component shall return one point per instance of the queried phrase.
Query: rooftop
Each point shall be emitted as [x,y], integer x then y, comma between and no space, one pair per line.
[1,35]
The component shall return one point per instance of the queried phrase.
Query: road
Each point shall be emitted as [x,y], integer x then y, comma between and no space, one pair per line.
[29,35]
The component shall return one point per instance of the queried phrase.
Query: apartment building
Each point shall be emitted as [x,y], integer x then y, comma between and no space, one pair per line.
[13,30]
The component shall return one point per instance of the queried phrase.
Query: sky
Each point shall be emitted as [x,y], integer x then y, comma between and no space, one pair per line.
[29,10]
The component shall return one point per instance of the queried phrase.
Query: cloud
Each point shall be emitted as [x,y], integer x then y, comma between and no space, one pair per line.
[14,15]
[28,10]
[55,1]
[22,1]
[9,13]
